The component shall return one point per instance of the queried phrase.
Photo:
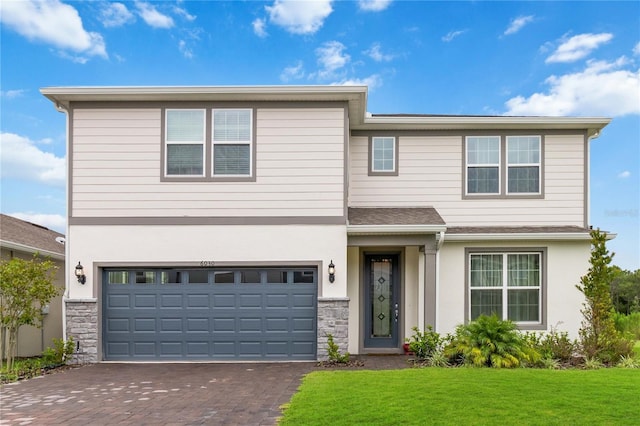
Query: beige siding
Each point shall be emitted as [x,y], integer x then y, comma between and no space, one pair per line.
[299,167]
[431,174]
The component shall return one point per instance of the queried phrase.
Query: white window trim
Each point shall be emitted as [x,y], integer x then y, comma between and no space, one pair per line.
[393,151]
[167,143]
[479,165]
[538,164]
[505,284]
[248,142]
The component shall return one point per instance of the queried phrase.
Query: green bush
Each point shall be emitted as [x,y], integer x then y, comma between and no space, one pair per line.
[59,354]
[628,324]
[333,351]
[424,343]
[491,342]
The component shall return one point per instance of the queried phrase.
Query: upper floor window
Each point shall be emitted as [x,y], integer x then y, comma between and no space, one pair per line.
[231,139]
[383,156]
[184,138]
[523,164]
[500,166]
[483,165]
[228,156]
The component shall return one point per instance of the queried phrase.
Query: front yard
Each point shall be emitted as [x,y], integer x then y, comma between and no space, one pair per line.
[468,396]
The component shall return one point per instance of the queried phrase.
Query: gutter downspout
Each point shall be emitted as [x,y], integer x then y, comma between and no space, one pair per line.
[438,247]
[60,108]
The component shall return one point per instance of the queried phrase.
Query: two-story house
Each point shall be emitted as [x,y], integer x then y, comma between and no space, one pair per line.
[247,223]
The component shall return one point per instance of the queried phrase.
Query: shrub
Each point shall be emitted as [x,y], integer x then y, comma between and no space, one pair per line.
[333,351]
[492,342]
[59,354]
[424,343]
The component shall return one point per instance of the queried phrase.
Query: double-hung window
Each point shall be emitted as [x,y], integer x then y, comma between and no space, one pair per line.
[523,164]
[184,139]
[483,165]
[231,139]
[501,166]
[507,284]
[383,156]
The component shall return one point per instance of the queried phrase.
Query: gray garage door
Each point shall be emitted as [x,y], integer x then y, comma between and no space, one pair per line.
[209,314]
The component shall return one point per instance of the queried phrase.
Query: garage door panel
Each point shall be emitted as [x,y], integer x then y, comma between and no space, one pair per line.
[197,325]
[303,324]
[168,301]
[303,300]
[142,301]
[276,324]
[170,348]
[118,325]
[169,325]
[195,301]
[115,301]
[224,300]
[247,321]
[144,325]
[280,300]
[221,325]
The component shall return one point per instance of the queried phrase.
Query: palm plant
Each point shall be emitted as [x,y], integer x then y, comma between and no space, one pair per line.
[492,342]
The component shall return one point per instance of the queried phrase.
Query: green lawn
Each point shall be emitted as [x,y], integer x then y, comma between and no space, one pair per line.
[467,396]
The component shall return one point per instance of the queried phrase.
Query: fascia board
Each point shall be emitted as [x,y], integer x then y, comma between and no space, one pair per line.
[28,249]
[394,229]
[531,236]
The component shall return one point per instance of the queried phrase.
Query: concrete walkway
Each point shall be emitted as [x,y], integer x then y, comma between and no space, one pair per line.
[162,394]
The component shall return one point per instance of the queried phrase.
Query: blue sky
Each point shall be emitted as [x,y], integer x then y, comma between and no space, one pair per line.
[487,58]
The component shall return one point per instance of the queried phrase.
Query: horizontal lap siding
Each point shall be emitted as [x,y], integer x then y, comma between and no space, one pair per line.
[431,174]
[299,167]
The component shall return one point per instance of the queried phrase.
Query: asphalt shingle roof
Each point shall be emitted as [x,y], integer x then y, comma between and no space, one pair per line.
[394,216]
[18,231]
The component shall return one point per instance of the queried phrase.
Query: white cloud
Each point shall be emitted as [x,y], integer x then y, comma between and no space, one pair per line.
[577,47]
[52,221]
[294,72]
[517,24]
[21,158]
[259,27]
[54,23]
[372,81]
[452,34]
[186,51]
[183,12]
[152,16]
[602,88]
[373,5]
[115,15]
[625,174]
[636,49]
[299,17]
[12,94]
[375,53]
[331,58]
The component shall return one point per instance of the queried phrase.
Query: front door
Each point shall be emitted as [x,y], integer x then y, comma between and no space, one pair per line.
[382,300]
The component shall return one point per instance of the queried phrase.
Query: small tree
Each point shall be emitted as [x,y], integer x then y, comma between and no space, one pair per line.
[598,335]
[26,286]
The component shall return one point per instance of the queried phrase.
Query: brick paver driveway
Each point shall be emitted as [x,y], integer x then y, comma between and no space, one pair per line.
[154,394]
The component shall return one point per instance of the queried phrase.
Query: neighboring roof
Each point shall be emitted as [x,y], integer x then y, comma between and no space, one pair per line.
[355,96]
[25,236]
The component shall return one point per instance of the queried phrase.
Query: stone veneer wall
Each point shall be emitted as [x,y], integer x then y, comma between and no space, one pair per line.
[82,326]
[333,318]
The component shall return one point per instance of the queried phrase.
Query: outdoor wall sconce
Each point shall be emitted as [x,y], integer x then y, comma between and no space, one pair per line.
[82,278]
[332,272]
